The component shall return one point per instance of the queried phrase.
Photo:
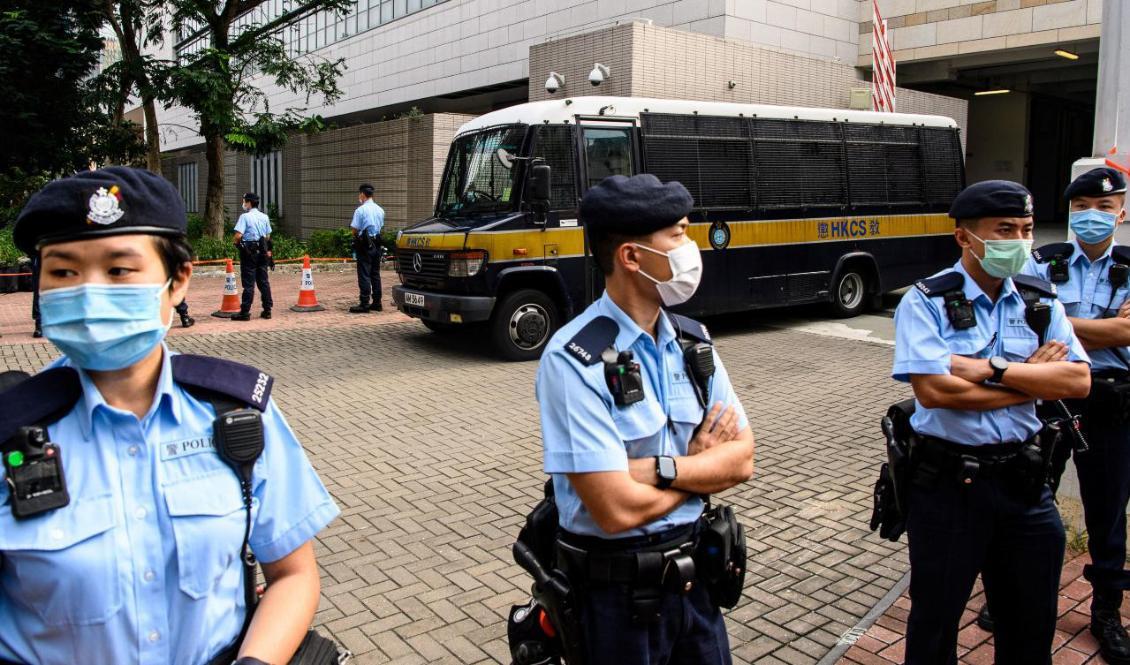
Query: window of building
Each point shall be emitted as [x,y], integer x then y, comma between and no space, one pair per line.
[186,184]
[608,151]
[266,180]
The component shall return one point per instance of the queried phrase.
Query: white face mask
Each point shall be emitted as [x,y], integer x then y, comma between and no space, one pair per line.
[686,273]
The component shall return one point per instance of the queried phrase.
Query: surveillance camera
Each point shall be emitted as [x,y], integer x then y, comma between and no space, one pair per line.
[598,74]
[554,82]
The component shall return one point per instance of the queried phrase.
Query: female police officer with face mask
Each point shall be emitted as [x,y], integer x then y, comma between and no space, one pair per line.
[129,550]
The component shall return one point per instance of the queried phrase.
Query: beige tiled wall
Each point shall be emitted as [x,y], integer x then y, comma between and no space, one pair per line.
[651,61]
[403,159]
[930,29]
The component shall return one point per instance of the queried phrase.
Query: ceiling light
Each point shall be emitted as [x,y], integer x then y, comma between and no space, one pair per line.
[1002,91]
[1066,54]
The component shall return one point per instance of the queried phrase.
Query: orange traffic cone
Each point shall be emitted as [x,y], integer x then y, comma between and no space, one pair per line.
[229,306]
[307,299]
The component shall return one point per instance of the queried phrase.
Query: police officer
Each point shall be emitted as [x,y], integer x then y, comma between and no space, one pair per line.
[1097,307]
[978,501]
[629,470]
[129,552]
[252,237]
[368,220]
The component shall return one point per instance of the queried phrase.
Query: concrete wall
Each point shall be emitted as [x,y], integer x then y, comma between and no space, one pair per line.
[651,61]
[999,130]
[403,159]
[931,29]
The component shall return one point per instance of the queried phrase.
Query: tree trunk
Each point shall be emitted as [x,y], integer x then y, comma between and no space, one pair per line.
[152,137]
[214,204]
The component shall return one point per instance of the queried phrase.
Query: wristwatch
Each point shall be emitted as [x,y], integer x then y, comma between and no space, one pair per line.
[665,471]
[999,365]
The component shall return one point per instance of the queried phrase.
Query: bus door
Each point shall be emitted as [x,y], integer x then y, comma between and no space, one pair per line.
[607,146]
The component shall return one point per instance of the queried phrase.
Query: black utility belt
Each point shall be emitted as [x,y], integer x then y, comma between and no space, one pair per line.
[936,461]
[664,560]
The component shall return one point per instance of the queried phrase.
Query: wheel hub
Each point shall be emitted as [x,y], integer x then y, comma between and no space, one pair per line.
[529,326]
[851,290]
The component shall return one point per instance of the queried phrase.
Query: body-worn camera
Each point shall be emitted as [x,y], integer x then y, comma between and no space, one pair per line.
[34,473]
[622,374]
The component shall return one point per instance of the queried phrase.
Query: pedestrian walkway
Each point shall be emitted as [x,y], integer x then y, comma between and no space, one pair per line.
[884,642]
[337,290]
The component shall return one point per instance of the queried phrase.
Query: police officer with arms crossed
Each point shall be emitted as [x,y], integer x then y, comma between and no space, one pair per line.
[252,235]
[1090,273]
[977,367]
[121,526]
[368,220]
[628,478]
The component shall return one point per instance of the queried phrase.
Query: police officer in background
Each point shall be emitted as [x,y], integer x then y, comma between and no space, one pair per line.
[1091,274]
[186,321]
[121,527]
[978,500]
[252,237]
[368,220]
[629,470]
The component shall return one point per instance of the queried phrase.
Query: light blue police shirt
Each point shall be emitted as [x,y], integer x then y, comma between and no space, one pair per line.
[1085,296]
[253,224]
[368,218]
[584,431]
[924,340]
[143,565]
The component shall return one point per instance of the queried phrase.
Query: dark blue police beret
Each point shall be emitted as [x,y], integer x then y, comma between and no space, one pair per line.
[1102,181]
[634,206]
[992,198]
[110,201]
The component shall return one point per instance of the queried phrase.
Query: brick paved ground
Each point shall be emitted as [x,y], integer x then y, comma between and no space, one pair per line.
[432,450]
[884,642]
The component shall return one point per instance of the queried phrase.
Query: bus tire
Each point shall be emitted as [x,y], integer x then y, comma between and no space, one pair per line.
[850,292]
[522,323]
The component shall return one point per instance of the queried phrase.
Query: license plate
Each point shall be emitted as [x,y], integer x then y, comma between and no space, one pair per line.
[414,299]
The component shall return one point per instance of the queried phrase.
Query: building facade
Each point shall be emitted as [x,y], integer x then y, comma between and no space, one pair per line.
[418,68]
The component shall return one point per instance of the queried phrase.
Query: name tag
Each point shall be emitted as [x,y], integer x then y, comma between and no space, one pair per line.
[186,447]
[1021,322]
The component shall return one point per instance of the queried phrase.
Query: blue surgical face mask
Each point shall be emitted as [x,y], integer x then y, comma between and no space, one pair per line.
[104,327]
[1093,226]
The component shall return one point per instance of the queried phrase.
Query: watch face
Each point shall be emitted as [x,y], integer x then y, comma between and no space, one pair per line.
[666,467]
[998,363]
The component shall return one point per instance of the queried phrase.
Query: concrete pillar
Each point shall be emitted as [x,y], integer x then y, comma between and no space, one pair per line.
[1112,110]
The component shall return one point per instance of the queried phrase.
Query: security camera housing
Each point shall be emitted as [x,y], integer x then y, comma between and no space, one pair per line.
[598,74]
[554,82]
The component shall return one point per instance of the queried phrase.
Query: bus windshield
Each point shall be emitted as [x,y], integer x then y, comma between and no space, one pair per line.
[477,179]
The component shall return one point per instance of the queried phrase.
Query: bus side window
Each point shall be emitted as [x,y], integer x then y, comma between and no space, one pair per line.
[607,152]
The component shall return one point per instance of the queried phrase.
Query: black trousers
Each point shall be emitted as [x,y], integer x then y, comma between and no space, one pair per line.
[253,272]
[956,531]
[35,288]
[368,271]
[1104,487]
[182,308]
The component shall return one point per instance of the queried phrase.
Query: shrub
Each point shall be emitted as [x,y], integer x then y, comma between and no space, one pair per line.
[207,248]
[388,239]
[286,247]
[336,243]
[195,226]
[9,255]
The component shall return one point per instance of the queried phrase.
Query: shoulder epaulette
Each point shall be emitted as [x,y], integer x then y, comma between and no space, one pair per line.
[690,328]
[38,400]
[596,336]
[1056,250]
[1121,254]
[1039,286]
[942,284]
[237,381]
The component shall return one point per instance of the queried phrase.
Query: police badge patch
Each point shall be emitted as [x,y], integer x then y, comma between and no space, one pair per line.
[1028,205]
[1108,186]
[105,206]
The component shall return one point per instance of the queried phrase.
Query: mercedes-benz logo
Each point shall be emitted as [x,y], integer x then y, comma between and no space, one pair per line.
[417,262]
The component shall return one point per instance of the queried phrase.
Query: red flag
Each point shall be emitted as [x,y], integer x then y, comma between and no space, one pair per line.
[882,64]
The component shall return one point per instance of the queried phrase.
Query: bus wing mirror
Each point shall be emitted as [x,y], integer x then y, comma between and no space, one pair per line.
[539,190]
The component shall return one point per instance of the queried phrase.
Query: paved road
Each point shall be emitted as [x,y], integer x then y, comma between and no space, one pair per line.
[432,450]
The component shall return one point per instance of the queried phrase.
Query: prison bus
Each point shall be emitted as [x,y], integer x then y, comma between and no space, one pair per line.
[792,206]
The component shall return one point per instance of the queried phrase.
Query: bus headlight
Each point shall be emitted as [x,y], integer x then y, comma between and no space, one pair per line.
[466,264]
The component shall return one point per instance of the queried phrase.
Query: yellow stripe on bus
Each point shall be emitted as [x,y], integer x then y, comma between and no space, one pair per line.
[507,245]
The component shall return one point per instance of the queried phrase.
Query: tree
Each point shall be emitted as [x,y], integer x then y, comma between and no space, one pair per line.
[137,24]
[51,121]
[216,83]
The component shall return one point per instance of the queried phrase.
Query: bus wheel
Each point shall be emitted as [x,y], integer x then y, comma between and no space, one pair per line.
[849,294]
[522,323]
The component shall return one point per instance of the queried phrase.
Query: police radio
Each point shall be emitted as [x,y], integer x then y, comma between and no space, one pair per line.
[35,478]
[622,374]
